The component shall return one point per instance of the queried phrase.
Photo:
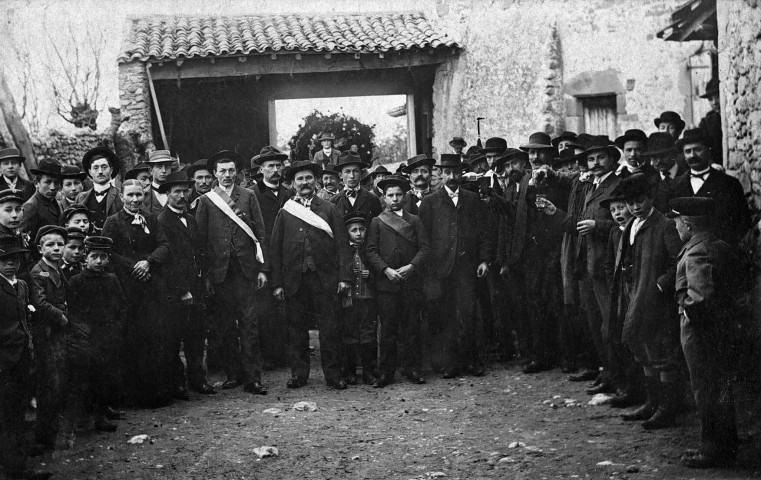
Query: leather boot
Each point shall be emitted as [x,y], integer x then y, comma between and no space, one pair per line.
[667,412]
[650,406]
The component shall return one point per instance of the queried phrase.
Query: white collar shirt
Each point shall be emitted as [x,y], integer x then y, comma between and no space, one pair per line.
[697,179]
[636,225]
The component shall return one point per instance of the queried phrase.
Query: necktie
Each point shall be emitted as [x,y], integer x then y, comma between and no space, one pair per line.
[701,176]
[351,193]
[101,193]
[454,194]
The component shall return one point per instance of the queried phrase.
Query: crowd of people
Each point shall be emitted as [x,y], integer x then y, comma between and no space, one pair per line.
[616,261]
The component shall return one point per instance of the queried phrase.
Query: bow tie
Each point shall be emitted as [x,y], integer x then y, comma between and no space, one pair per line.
[701,176]
[352,193]
[454,194]
[101,193]
[304,201]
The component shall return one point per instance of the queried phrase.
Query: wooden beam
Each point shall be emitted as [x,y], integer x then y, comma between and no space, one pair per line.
[288,64]
[411,127]
[272,120]
[156,104]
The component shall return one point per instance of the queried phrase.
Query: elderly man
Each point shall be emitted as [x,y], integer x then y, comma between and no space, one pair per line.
[311,266]
[354,198]
[161,163]
[43,209]
[103,200]
[10,164]
[236,261]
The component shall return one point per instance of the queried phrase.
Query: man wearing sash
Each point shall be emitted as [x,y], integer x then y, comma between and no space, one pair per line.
[231,233]
[397,247]
[311,264]
[419,170]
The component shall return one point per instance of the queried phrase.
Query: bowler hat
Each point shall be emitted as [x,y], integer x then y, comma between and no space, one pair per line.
[47,166]
[617,195]
[691,207]
[175,178]
[326,136]
[75,233]
[564,157]
[10,245]
[225,156]
[356,216]
[47,230]
[564,136]
[268,153]
[510,155]
[670,117]
[329,169]
[76,208]
[495,145]
[583,139]
[11,154]
[379,170]
[693,135]
[101,152]
[72,171]
[196,166]
[349,158]
[659,143]
[712,88]
[538,141]
[633,135]
[418,160]
[634,186]
[95,242]
[451,160]
[394,181]
[133,172]
[458,141]
[299,166]
[602,142]
[9,195]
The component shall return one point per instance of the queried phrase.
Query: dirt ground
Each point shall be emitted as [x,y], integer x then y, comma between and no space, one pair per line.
[503,425]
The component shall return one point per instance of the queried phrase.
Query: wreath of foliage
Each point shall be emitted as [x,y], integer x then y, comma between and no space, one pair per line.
[347,130]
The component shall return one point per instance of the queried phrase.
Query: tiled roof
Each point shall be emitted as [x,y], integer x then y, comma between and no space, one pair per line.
[174,37]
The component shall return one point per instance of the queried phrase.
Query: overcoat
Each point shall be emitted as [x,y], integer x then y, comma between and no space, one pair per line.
[270,204]
[366,202]
[387,248]
[38,212]
[14,329]
[183,265]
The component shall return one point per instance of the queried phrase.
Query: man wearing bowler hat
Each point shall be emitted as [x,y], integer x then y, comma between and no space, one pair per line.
[711,123]
[662,154]
[455,221]
[328,154]
[565,140]
[419,170]
[311,267]
[236,261]
[458,144]
[633,143]
[671,123]
[103,200]
[43,209]
[354,198]
[493,148]
[160,162]
[10,164]
[71,185]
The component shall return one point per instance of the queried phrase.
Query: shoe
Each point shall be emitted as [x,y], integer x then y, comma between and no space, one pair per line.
[112,414]
[601,388]
[597,382]
[668,411]
[295,382]
[584,376]
[415,377]
[701,460]
[203,388]
[256,388]
[382,381]
[338,384]
[651,403]
[230,384]
[180,393]
[625,399]
[450,374]
[103,425]
[536,367]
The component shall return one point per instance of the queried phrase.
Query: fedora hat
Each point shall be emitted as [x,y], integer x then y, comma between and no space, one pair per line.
[160,156]
[659,143]
[380,170]
[418,160]
[72,171]
[564,136]
[474,150]
[11,245]
[510,155]
[458,141]
[98,153]
[96,242]
[693,135]
[227,156]
[394,181]
[133,172]
[634,186]
[47,166]
[175,178]
[691,207]
[670,117]
[495,145]
[299,166]
[9,195]
[451,160]
[326,136]
[11,154]
[349,158]
[329,169]
[477,158]
[196,166]
[538,140]
[564,157]
[712,88]
[633,135]
[268,153]
[601,142]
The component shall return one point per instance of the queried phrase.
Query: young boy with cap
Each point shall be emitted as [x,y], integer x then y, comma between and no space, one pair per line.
[11,213]
[73,252]
[10,164]
[77,216]
[96,301]
[359,309]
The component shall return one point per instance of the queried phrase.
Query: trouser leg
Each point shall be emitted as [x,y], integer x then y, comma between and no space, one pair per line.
[226,330]
[410,340]
[193,344]
[250,357]
[177,322]
[368,337]
[325,305]
[14,398]
[298,325]
[391,307]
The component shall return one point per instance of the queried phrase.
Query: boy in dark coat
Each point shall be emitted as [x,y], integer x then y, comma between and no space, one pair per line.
[73,252]
[397,248]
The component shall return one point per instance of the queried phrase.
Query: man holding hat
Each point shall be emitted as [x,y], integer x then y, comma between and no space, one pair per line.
[328,154]
[455,221]
[311,267]
[731,217]
[103,199]
[236,261]
[160,163]
[711,123]
[633,143]
[458,144]
[43,209]
[71,185]
[353,197]
[200,174]
[10,164]
[419,169]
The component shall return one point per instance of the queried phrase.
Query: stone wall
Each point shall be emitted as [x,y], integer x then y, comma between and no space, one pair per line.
[67,149]
[519,57]
[136,135]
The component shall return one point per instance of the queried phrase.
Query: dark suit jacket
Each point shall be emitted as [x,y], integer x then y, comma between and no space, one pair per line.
[220,236]
[457,233]
[184,262]
[97,300]
[366,202]
[132,244]
[386,248]
[732,218]
[38,212]
[662,192]
[151,202]
[14,330]
[332,256]
[48,294]
[24,187]
[113,200]
[320,158]
[711,124]
[270,204]
[411,204]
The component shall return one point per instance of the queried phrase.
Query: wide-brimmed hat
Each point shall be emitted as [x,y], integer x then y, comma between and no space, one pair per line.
[418,160]
[175,178]
[96,242]
[101,152]
[11,245]
[670,117]
[538,141]
[225,155]
[477,158]
[296,167]
[330,169]
[458,141]
[693,135]
[326,136]
[268,153]
[9,195]
[564,136]
[712,88]
[47,230]
[72,171]
[509,155]
[47,166]
[601,142]
[76,208]
[634,185]
[495,145]
[564,157]
[659,143]
[633,135]
[394,181]
[691,207]
[11,154]
[133,172]
[379,170]
[472,151]
[617,195]
[349,158]
[451,160]
[196,166]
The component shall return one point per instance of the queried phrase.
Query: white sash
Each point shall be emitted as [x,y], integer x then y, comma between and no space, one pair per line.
[303,213]
[222,205]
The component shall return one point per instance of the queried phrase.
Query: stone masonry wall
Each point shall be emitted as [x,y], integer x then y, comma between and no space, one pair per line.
[135,98]
[67,149]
